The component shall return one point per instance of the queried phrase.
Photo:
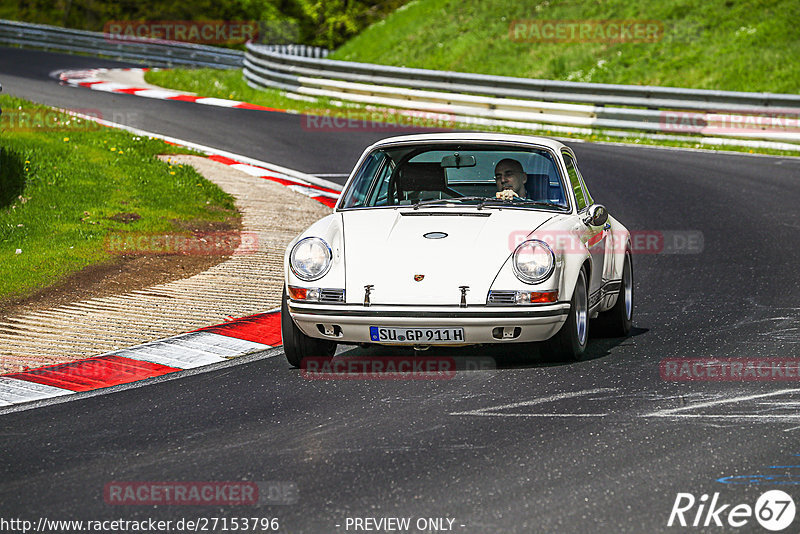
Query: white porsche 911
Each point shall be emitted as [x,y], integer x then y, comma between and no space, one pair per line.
[459,239]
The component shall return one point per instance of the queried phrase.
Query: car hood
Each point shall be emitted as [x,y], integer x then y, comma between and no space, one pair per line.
[387,248]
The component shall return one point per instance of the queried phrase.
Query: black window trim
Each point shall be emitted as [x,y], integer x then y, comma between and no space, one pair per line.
[560,166]
[566,152]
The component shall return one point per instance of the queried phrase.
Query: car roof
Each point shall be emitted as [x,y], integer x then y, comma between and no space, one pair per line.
[472,137]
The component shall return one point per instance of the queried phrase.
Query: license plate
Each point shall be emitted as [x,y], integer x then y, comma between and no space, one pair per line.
[424,336]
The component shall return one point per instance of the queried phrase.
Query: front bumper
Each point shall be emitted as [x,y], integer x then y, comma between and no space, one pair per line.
[350,323]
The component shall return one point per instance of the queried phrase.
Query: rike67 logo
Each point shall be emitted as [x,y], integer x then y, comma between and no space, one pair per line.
[774,510]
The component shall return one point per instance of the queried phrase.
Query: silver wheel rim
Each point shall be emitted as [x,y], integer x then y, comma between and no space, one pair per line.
[581,309]
[628,281]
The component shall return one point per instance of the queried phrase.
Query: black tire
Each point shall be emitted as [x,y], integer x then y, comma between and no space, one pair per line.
[617,321]
[569,343]
[297,345]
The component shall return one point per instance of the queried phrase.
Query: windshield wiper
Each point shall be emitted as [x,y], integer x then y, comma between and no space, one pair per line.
[521,200]
[447,201]
[483,201]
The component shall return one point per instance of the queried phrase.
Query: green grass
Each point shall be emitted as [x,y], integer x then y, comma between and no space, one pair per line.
[740,45]
[230,84]
[68,186]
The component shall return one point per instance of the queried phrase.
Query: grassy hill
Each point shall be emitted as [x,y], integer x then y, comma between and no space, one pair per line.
[320,22]
[745,45]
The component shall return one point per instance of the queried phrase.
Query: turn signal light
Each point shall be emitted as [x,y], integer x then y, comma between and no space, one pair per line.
[536,297]
[544,296]
[304,293]
[297,293]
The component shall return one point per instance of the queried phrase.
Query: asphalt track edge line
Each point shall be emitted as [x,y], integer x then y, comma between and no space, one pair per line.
[676,148]
[253,357]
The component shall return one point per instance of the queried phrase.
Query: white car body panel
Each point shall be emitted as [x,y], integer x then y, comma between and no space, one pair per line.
[387,247]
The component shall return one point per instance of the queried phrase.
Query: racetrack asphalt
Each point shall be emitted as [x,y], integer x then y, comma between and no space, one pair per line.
[602,445]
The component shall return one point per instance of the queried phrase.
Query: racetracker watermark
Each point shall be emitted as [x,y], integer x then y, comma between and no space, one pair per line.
[147,524]
[374,121]
[198,244]
[390,367]
[29,120]
[729,369]
[200,493]
[186,31]
[586,31]
[774,510]
[752,121]
[75,120]
[641,241]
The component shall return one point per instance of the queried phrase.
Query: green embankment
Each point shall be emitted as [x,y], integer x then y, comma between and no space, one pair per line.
[737,45]
[68,187]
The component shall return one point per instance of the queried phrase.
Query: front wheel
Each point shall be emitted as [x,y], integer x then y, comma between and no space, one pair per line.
[297,345]
[570,342]
[617,321]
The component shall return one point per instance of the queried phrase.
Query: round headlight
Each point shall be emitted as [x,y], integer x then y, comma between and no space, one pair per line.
[310,258]
[533,261]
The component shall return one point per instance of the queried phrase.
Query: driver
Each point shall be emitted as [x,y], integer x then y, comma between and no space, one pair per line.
[510,178]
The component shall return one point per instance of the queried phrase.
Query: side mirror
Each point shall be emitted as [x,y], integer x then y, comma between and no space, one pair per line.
[596,215]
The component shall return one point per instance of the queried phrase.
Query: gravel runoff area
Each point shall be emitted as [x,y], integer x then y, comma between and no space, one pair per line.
[248,282]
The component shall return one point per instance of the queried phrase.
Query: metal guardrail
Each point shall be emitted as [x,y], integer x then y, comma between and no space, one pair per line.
[530,103]
[153,52]
[461,97]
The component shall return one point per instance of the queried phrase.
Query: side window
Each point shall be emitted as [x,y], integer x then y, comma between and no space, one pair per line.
[575,181]
[380,193]
[356,195]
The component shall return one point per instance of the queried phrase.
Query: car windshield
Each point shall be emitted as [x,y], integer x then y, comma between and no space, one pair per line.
[458,174]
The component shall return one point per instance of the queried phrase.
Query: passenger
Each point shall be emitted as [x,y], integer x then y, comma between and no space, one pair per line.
[510,178]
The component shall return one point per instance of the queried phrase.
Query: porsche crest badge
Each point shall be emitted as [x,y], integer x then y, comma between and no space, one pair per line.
[418,277]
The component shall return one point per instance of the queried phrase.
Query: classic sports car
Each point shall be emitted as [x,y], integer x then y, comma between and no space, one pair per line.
[459,239]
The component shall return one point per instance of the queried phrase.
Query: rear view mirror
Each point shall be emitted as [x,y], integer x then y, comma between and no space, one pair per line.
[457,161]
